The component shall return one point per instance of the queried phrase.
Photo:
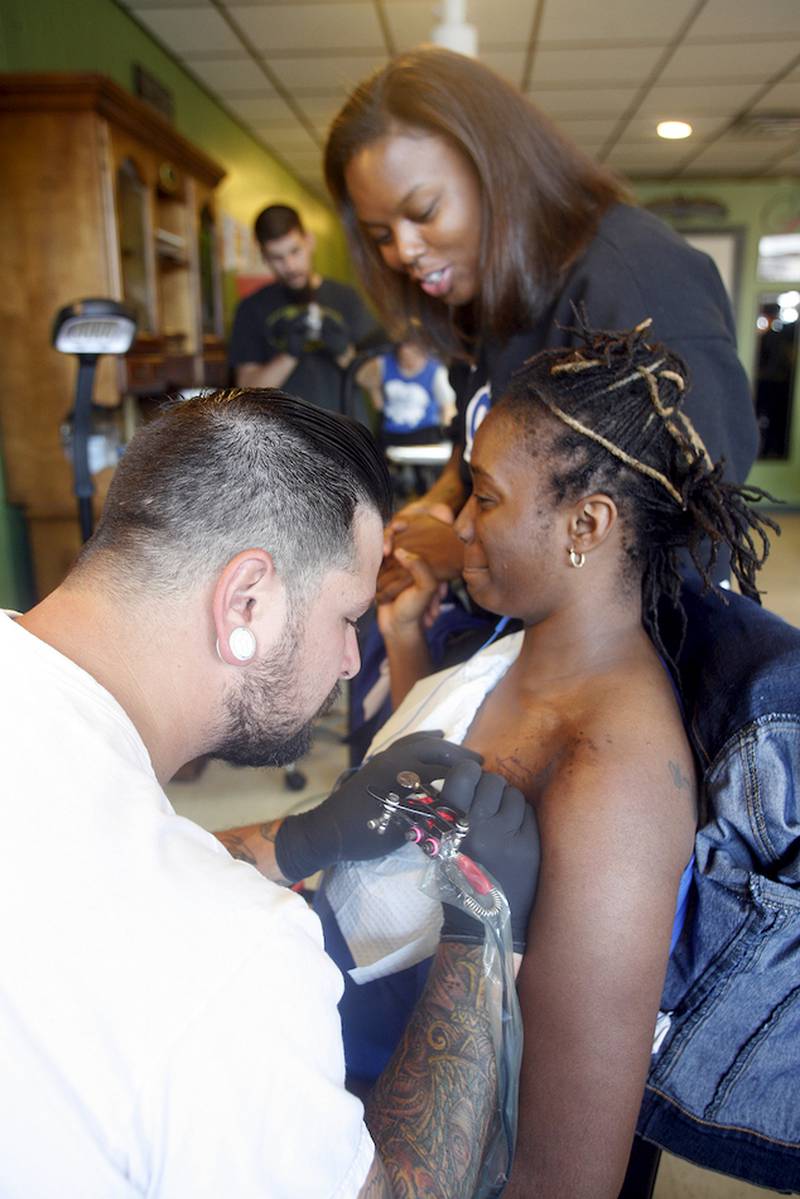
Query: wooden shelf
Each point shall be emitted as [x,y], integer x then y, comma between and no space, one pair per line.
[105,198]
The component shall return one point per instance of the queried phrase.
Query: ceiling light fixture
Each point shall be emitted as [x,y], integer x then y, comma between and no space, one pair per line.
[674,130]
[453,32]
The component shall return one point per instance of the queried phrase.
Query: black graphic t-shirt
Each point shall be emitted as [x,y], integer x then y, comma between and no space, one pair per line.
[636,267]
[261,322]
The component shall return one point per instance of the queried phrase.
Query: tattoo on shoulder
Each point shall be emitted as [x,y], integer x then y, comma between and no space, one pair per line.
[679,778]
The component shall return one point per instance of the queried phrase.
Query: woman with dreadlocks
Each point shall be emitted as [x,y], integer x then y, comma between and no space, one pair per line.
[588,480]
[474,220]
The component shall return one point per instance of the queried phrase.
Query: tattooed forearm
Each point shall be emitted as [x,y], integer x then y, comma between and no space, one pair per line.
[254,843]
[431,1109]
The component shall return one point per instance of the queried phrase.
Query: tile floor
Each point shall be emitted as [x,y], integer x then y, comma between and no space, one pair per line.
[225,796]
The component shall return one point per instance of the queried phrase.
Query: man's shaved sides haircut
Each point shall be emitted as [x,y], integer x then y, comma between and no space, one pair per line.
[232,470]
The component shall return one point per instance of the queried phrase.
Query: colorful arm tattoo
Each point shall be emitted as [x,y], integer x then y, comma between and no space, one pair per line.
[432,1107]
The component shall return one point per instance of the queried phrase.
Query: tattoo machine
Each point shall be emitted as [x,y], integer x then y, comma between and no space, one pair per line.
[456,879]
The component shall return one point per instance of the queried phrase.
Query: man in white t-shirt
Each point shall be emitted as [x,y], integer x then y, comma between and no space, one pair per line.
[168,1020]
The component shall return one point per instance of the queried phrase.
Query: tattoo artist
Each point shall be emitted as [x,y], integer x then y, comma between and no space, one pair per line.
[168,1017]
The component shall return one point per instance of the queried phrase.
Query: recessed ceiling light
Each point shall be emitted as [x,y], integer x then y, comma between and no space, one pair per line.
[674,130]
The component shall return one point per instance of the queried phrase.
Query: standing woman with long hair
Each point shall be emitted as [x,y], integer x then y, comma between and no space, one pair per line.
[472,219]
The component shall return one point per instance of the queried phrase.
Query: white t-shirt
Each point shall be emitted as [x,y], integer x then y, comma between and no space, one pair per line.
[168,1020]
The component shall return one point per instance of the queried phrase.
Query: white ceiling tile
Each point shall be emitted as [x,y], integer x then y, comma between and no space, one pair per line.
[784,97]
[723,170]
[504,25]
[239,54]
[664,157]
[262,109]
[765,145]
[583,102]
[592,132]
[590,64]
[698,99]
[620,20]
[733,61]
[410,23]
[600,64]
[509,21]
[726,154]
[232,75]
[304,27]
[320,110]
[287,3]
[186,29]
[745,18]
[287,138]
[317,74]
[508,63]
[790,161]
[778,169]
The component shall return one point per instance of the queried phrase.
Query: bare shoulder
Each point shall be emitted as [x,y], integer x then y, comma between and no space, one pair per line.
[625,761]
[606,751]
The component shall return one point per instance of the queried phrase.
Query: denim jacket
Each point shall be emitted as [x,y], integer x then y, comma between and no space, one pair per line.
[724,1084]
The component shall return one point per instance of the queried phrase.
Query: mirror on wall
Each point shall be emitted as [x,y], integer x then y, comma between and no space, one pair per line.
[725,247]
[775,366]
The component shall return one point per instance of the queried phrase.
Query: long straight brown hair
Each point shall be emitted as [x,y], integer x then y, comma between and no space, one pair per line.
[541,198]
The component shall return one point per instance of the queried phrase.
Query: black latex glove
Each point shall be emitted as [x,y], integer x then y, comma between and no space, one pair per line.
[333,337]
[296,335]
[504,839]
[288,335]
[338,830]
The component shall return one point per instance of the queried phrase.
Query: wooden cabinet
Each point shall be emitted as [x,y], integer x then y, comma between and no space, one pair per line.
[99,197]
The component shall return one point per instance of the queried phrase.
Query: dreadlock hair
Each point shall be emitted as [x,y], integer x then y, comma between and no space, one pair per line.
[618,399]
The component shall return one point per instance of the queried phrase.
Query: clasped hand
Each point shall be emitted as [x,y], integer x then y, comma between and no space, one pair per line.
[426,532]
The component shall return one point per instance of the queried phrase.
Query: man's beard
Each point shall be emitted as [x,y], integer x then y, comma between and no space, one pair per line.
[264,725]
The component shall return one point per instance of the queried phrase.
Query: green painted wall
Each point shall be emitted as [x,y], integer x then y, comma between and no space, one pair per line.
[759,208]
[16,584]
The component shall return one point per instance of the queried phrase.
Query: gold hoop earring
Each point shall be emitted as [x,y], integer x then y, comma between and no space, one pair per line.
[576,559]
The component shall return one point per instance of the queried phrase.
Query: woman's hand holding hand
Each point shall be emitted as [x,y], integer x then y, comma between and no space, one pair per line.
[417,605]
[426,533]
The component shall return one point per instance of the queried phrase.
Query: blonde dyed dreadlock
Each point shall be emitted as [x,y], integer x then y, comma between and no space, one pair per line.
[619,399]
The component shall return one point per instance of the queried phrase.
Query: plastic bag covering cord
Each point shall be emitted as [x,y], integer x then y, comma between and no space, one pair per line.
[454,878]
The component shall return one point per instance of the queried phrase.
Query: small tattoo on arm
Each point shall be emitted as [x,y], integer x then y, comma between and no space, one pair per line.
[680,780]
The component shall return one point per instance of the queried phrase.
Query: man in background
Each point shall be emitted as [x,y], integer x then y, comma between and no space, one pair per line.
[301,331]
